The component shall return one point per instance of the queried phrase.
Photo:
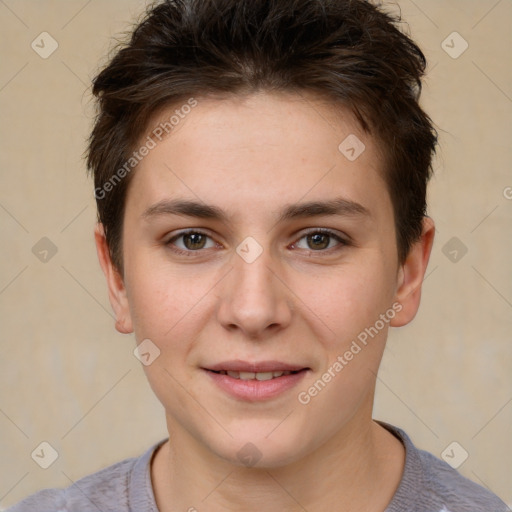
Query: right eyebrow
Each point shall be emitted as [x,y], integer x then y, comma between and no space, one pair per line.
[185,207]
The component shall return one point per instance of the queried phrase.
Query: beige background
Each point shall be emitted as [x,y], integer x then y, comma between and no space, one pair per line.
[69,379]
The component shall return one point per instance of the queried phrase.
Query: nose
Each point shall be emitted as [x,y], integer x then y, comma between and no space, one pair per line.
[254,299]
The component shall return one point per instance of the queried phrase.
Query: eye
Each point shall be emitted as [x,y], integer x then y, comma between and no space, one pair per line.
[319,240]
[193,240]
[190,241]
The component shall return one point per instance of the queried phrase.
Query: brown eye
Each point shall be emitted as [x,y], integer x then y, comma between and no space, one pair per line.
[190,241]
[321,240]
[194,241]
[318,241]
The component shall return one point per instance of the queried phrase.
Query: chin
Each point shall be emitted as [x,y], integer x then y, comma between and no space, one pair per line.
[252,446]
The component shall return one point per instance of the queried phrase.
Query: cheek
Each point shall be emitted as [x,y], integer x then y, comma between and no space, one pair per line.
[154,309]
[166,309]
[162,299]
[347,299]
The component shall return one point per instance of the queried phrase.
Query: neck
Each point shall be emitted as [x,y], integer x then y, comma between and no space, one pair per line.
[338,475]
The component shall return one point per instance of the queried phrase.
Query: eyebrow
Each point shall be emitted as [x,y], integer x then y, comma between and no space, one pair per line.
[338,206]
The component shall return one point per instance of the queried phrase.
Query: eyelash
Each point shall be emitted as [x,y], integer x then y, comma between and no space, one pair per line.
[190,253]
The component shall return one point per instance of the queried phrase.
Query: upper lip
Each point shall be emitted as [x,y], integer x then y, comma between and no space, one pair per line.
[255,367]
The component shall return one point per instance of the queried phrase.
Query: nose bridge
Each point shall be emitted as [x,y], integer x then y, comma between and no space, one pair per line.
[253,298]
[254,277]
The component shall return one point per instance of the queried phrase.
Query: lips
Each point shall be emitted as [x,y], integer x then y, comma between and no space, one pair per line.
[259,367]
[254,375]
[255,381]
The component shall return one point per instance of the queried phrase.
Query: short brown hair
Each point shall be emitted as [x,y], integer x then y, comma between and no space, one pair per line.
[347,51]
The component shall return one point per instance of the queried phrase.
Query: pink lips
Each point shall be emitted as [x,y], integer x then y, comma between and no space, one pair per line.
[263,366]
[253,389]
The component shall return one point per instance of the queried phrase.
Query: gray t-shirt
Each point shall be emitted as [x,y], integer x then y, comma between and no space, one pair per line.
[428,485]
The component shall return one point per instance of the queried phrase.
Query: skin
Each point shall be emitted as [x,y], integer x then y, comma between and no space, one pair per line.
[301,301]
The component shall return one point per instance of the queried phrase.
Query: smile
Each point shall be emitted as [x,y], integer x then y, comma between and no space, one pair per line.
[253,375]
[255,381]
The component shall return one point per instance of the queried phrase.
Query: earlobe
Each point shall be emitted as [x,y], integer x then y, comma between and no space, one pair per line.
[115,284]
[411,274]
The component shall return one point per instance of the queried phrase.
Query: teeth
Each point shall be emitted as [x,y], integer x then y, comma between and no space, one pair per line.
[247,375]
[254,375]
[264,376]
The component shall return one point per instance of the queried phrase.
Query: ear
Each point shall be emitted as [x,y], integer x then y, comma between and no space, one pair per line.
[116,288]
[411,275]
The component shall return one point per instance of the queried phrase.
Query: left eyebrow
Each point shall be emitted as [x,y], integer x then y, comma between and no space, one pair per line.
[338,206]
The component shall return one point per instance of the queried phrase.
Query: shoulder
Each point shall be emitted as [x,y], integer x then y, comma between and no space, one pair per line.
[106,487]
[110,490]
[431,485]
[456,492]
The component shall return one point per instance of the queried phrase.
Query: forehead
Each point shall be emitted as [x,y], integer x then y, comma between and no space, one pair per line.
[260,149]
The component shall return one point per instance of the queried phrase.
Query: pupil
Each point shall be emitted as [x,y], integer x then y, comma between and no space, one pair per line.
[317,239]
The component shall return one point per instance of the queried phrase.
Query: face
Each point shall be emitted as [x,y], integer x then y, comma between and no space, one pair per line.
[261,262]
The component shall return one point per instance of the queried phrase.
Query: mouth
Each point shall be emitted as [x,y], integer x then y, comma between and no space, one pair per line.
[256,375]
[255,381]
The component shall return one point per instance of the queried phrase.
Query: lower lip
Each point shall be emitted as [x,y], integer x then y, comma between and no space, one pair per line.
[256,390]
